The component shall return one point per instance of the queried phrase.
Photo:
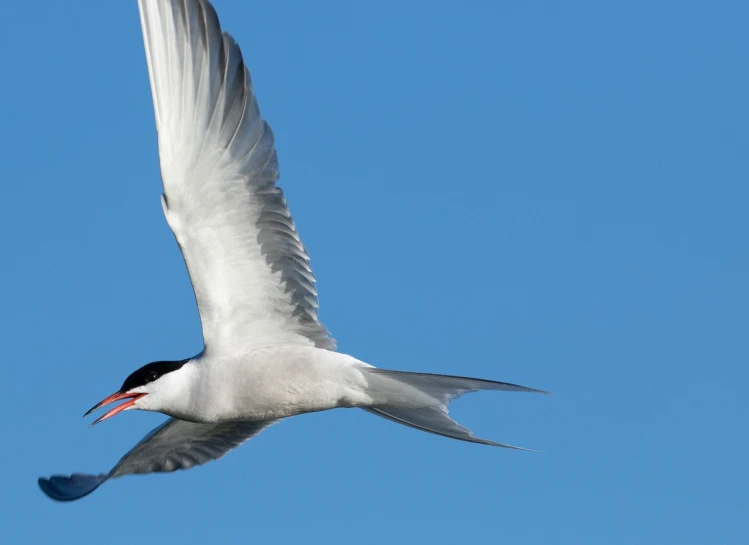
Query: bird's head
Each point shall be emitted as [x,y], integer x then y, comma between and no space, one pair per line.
[152,381]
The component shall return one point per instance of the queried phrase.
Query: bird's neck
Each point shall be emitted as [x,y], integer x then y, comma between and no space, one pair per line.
[177,392]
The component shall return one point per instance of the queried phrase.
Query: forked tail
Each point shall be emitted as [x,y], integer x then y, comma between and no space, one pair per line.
[420,400]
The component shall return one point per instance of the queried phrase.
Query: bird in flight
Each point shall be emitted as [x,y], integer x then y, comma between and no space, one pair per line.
[266,355]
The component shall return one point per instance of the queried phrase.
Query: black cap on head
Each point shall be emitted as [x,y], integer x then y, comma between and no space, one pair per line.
[149,373]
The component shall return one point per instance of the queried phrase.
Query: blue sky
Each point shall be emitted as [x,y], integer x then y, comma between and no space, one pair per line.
[547,193]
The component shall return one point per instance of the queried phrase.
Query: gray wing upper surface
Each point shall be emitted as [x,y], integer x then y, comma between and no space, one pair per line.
[174,445]
[250,271]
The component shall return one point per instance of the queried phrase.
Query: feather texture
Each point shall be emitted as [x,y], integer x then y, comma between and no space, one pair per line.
[174,445]
[249,269]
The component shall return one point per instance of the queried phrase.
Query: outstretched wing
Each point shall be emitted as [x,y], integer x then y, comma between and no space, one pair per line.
[174,445]
[249,269]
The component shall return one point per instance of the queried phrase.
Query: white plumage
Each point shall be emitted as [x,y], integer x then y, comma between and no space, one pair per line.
[249,268]
[266,355]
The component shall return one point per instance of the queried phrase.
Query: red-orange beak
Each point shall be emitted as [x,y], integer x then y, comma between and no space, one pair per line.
[117,396]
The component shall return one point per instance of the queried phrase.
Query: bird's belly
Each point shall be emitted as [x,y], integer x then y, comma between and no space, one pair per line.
[252,404]
[270,386]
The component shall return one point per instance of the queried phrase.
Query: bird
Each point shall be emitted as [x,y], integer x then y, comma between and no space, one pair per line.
[266,356]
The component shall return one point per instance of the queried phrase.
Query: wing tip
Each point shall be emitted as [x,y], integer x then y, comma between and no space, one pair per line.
[69,488]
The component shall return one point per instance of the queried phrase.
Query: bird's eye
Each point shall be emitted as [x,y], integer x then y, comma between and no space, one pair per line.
[153,375]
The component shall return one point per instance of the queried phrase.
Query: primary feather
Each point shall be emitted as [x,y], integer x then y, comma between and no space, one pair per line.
[249,269]
[174,445]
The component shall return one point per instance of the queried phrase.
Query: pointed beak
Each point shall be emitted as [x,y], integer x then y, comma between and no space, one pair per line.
[117,396]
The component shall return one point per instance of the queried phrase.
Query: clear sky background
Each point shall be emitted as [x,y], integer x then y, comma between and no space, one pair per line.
[548,193]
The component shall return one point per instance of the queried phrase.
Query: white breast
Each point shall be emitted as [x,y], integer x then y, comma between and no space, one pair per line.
[275,382]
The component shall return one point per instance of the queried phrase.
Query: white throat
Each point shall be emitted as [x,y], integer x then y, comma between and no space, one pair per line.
[173,393]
